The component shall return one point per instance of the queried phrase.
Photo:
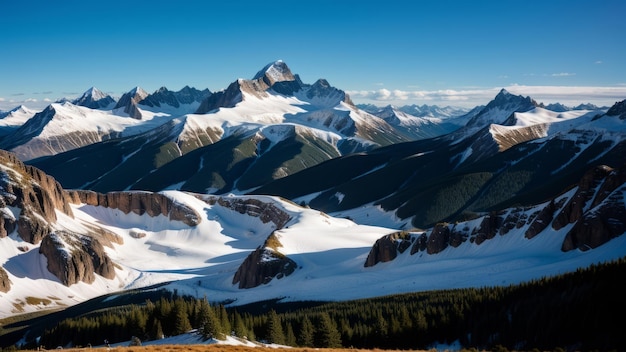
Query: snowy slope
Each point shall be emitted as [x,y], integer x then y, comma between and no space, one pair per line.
[330,253]
[63,127]
[13,119]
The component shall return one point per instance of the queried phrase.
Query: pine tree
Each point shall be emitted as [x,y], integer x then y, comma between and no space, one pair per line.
[209,324]
[224,322]
[156,330]
[290,337]
[239,326]
[181,318]
[328,335]
[275,332]
[306,337]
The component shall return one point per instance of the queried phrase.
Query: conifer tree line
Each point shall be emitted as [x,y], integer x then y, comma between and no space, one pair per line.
[572,311]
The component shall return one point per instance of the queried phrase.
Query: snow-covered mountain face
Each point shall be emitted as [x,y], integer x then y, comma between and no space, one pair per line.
[13,119]
[528,157]
[93,98]
[244,249]
[420,127]
[250,134]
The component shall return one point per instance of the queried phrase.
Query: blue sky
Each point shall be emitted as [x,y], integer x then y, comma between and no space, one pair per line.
[442,52]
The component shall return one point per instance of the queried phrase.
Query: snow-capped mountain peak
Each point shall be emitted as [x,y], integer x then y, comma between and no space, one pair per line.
[95,99]
[500,109]
[277,71]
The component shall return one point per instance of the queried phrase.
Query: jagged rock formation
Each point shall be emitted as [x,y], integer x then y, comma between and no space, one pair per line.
[130,100]
[154,204]
[596,208]
[36,194]
[263,265]
[274,74]
[74,258]
[266,212]
[388,247]
[71,257]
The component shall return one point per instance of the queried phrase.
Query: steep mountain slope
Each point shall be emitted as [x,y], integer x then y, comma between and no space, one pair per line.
[62,127]
[253,132]
[472,170]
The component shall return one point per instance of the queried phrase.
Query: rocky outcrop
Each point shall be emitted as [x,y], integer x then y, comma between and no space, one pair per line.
[605,218]
[73,258]
[597,210]
[5,283]
[129,102]
[488,228]
[388,247]
[266,212]
[153,204]
[618,109]
[587,187]
[37,195]
[263,265]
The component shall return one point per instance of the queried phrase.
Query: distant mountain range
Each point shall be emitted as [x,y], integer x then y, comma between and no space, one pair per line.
[278,189]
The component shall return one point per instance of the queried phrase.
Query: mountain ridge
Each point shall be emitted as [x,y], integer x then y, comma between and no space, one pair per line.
[285,190]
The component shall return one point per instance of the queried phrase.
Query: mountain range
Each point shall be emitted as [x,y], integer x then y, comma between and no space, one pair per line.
[277,189]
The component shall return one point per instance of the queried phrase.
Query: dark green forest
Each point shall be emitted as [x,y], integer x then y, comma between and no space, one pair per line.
[582,311]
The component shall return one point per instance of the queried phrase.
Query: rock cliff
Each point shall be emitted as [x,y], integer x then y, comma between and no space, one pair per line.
[595,206]
[153,204]
[34,194]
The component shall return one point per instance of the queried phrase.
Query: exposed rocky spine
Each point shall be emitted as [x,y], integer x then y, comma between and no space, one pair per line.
[153,204]
[596,208]
[36,194]
[266,212]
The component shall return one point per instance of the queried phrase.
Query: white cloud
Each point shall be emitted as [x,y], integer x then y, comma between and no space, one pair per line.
[602,96]
[598,62]
[563,74]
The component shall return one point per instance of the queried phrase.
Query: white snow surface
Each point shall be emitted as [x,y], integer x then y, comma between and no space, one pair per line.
[330,253]
[17,117]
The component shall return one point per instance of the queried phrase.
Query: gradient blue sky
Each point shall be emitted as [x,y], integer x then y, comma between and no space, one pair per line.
[442,52]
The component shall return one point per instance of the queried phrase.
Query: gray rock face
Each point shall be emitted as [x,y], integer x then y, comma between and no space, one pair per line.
[140,203]
[35,193]
[73,258]
[263,265]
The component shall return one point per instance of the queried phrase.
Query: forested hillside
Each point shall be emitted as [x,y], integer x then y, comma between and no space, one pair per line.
[573,311]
